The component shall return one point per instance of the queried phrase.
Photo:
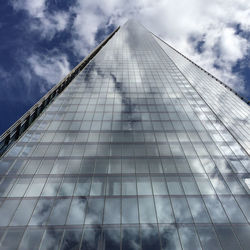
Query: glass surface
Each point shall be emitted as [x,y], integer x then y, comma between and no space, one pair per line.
[138,152]
[31,239]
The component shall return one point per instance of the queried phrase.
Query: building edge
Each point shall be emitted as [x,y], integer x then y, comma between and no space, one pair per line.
[22,124]
[218,80]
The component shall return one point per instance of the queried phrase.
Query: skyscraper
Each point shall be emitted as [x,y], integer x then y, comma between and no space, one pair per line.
[138,148]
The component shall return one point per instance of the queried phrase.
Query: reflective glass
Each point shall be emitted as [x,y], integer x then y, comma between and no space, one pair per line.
[138,152]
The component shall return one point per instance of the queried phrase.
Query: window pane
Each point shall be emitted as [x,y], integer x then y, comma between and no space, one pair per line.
[111,238]
[94,211]
[23,213]
[147,210]
[164,210]
[31,239]
[208,237]
[227,239]
[98,186]
[128,186]
[7,210]
[71,239]
[113,186]
[60,210]
[144,186]
[129,210]
[159,186]
[215,210]
[150,237]
[181,210]
[77,211]
[51,239]
[189,239]
[41,212]
[112,211]
[189,185]
[198,210]
[131,238]
[174,186]
[82,186]
[169,238]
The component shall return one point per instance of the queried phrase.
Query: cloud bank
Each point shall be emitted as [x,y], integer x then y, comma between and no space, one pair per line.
[209,33]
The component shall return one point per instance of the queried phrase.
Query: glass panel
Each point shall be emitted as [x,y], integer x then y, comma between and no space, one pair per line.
[235,185]
[94,211]
[92,239]
[5,185]
[242,233]
[164,210]
[111,238]
[35,188]
[113,186]
[189,239]
[129,210]
[112,212]
[227,238]
[12,239]
[232,209]
[51,239]
[130,238]
[23,213]
[144,186]
[198,210]
[77,211]
[169,238]
[31,239]
[150,237]
[82,186]
[31,167]
[67,187]
[71,239]
[20,187]
[7,210]
[98,186]
[51,187]
[60,210]
[169,166]
[208,237]
[147,210]
[41,212]
[204,185]
[215,210]
[181,210]
[59,166]
[129,185]
[159,186]
[45,167]
[219,185]
[174,186]
[244,203]
[189,185]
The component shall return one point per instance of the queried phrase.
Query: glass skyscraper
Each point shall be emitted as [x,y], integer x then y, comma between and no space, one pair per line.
[142,150]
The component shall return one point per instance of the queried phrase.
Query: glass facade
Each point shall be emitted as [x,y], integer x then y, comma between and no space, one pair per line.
[136,153]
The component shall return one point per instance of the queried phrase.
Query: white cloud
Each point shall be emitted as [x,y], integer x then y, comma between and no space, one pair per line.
[48,24]
[51,68]
[173,20]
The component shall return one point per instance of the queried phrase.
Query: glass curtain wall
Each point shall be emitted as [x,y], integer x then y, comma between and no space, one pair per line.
[129,156]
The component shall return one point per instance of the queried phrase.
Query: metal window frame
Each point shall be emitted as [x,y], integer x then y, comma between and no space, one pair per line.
[21,125]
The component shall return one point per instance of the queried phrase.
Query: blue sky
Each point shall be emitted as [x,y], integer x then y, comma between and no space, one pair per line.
[42,40]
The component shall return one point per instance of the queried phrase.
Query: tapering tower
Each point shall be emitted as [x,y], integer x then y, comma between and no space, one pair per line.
[137,148]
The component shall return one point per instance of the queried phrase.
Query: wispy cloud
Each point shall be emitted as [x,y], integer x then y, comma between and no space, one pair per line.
[51,68]
[44,21]
[177,21]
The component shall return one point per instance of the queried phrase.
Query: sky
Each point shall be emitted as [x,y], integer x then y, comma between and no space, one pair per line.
[42,40]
